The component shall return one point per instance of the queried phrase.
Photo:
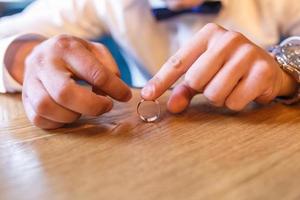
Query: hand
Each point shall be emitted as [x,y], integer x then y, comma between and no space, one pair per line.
[50,94]
[182,4]
[226,67]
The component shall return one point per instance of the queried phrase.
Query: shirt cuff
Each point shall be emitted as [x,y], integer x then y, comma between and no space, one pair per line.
[7,82]
[296,97]
[5,86]
[294,39]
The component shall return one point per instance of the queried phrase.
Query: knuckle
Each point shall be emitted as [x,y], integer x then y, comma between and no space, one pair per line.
[249,51]
[263,71]
[249,48]
[234,35]
[99,76]
[212,27]
[226,41]
[232,38]
[65,42]
[213,32]
[192,82]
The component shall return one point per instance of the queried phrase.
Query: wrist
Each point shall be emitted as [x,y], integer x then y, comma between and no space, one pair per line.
[17,53]
[289,85]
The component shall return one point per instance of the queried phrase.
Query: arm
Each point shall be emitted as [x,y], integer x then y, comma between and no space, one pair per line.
[79,18]
[287,15]
[48,68]
[47,18]
[50,94]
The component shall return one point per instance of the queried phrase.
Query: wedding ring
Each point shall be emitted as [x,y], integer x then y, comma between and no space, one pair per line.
[148,111]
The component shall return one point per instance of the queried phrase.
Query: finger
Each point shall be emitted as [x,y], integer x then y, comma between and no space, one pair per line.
[178,64]
[45,106]
[36,119]
[101,53]
[98,91]
[223,83]
[249,88]
[64,90]
[180,98]
[210,62]
[105,58]
[84,65]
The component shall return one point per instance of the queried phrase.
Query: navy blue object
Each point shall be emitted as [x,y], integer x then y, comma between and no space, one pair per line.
[210,7]
[115,51]
[10,8]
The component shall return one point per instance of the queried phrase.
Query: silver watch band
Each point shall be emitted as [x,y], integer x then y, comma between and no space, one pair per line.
[293,72]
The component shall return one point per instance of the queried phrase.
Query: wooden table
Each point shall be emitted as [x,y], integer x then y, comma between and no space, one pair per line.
[204,153]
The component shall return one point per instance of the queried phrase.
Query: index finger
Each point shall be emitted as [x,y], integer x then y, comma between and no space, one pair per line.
[179,63]
[85,65]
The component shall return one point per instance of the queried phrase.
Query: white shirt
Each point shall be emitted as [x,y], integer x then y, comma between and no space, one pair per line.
[145,42]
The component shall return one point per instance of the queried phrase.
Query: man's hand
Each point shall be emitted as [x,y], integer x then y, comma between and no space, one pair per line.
[51,96]
[226,67]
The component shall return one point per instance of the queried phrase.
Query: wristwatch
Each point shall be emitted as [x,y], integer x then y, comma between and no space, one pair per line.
[287,54]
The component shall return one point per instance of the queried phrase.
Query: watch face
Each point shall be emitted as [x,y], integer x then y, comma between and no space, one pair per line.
[291,53]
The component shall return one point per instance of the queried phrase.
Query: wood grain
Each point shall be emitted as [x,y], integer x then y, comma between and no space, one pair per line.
[203,153]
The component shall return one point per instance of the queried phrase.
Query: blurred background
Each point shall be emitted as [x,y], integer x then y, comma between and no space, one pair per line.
[10,7]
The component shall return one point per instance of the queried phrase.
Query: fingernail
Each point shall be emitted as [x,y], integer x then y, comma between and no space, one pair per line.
[147,91]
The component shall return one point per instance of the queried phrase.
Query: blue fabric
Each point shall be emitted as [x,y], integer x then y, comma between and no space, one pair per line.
[115,51]
[10,8]
[211,7]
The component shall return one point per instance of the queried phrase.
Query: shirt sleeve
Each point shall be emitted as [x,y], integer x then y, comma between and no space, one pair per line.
[288,17]
[7,83]
[294,39]
[75,17]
